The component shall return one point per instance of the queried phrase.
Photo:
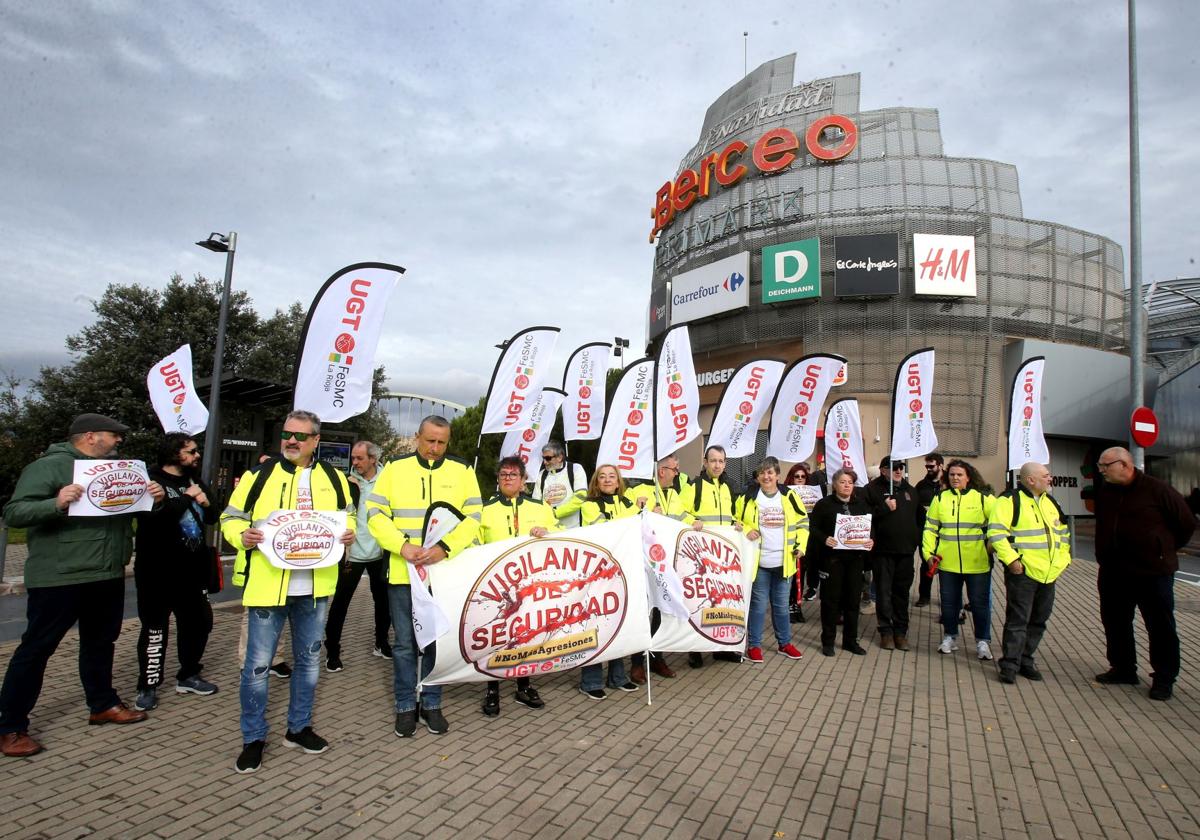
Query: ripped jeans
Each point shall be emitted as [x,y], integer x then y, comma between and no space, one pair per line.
[307,618]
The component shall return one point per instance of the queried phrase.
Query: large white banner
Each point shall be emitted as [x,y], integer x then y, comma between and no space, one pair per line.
[541,420]
[912,407]
[715,568]
[518,378]
[584,381]
[716,287]
[338,343]
[797,411]
[1026,440]
[628,438]
[944,265]
[303,539]
[743,405]
[110,487]
[678,395]
[844,441]
[524,607]
[173,395]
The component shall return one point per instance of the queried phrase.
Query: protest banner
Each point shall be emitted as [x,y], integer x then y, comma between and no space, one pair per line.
[852,532]
[303,539]
[809,494]
[110,487]
[523,607]
[173,395]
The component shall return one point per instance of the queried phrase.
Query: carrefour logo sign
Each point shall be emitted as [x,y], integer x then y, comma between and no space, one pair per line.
[716,287]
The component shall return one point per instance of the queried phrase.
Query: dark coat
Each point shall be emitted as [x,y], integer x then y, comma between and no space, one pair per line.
[898,531]
[823,521]
[1140,526]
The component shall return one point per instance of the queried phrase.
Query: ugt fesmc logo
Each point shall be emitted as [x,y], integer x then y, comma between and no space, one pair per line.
[523,370]
[746,407]
[636,435]
[676,404]
[916,405]
[340,359]
[178,389]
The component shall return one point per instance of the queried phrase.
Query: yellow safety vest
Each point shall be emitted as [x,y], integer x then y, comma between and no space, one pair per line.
[956,528]
[1039,539]
[502,518]
[795,527]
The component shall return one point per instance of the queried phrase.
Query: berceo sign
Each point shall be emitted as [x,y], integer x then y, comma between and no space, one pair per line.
[867,265]
[716,287]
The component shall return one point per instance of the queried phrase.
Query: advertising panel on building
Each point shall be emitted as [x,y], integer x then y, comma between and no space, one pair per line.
[791,271]
[866,265]
[658,312]
[717,287]
[944,265]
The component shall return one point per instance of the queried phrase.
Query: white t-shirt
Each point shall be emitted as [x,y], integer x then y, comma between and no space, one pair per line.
[771,527]
[558,488]
[300,581]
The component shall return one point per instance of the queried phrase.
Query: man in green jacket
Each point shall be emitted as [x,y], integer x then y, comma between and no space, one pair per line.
[75,573]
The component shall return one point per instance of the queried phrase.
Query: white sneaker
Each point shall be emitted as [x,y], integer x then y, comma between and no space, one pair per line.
[949,645]
[983,649]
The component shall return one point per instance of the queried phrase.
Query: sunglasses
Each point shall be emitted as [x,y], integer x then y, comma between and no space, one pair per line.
[300,436]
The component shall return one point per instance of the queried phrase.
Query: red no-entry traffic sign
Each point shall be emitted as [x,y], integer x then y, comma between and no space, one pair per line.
[1144,427]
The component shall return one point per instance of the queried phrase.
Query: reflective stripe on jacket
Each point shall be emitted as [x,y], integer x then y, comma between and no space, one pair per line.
[605,508]
[496,518]
[795,527]
[956,528]
[667,498]
[715,505]
[403,493]
[1040,539]
[267,585]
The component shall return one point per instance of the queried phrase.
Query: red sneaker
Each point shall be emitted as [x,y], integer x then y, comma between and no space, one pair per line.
[791,651]
[754,655]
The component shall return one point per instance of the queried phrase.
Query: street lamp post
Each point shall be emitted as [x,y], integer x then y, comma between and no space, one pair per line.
[227,245]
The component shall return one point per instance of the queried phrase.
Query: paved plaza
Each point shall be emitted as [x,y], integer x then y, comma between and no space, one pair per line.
[888,745]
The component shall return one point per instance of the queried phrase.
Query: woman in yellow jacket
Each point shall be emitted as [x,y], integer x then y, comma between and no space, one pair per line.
[511,513]
[605,501]
[955,538]
[776,518]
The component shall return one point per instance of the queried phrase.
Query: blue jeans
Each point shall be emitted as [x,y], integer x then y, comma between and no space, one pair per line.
[591,677]
[307,617]
[404,655]
[769,585]
[979,592]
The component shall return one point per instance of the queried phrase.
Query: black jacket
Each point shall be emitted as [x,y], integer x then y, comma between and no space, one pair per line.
[1139,526]
[166,537]
[823,521]
[898,531]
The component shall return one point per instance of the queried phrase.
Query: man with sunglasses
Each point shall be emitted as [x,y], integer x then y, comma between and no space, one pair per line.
[933,483]
[1141,522]
[294,480]
[557,483]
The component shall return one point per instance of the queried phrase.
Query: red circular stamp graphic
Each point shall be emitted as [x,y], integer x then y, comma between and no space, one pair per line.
[746,407]
[1028,412]
[114,489]
[843,444]
[674,390]
[714,587]
[528,435]
[585,392]
[915,405]
[635,417]
[801,409]
[521,382]
[344,343]
[302,539]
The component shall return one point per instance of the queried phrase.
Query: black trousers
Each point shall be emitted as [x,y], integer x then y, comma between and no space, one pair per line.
[159,596]
[1027,609]
[925,582]
[349,574]
[50,612]
[1152,595]
[893,580]
[840,595]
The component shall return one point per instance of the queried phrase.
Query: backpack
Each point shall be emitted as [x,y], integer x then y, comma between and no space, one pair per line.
[260,481]
[569,469]
[1015,495]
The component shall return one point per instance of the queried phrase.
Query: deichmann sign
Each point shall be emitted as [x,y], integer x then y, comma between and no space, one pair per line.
[791,271]
[773,152]
[866,265]
[944,266]
[716,287]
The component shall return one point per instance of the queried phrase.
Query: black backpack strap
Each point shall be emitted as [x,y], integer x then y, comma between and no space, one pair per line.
[260,481]
[699,492]
[333,477]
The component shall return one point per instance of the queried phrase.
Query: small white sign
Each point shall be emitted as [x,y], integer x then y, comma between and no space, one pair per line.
[303,539]
[110,487]
[809,494]
[716,287]
[944,266]
[852,533]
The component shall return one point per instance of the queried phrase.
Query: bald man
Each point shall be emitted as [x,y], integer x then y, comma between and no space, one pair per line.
[1141,521]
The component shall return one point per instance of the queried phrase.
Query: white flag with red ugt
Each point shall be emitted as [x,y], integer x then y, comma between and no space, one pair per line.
[797,412]
[173,395]
[584,382]
[843,440]
[912,407]
[1026,440]
[518,379]
[677,396]
[628,438]
[743,404]
[541,416]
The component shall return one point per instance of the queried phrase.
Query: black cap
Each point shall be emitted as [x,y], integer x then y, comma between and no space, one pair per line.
[96,423]
[886,463]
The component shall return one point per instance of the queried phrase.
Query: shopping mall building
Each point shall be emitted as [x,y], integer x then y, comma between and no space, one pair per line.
[800,223]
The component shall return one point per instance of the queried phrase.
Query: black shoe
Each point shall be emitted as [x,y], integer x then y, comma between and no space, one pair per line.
[1114,677]
[529,697]
[855,648]
[491,703]
[827,650]
[810,594]
[728,656]
[282,670]
[251,757]
[383,651]
[435,721]
[922,602]
[695,660]
[1029,672]
[628,685]
[796,616]
[406,724]
[1008,677]
[1161,691]
[307,740]
[333,663]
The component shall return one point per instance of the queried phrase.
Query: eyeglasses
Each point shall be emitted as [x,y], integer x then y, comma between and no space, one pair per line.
[898,469]
[505,475]
[189,451]
[1106,464]
[300,436]
[930,467]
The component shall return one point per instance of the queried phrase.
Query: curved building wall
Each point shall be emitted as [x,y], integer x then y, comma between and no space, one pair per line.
[1035,279]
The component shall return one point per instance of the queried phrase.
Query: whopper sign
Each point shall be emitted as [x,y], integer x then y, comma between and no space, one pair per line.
[716,287]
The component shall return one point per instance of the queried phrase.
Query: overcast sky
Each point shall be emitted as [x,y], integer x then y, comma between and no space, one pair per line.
[507,154]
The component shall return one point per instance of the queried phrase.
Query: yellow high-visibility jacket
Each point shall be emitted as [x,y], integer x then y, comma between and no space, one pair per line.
[1039,538]
[605,508]
[502,518]
[667,498]
[403,493]
[956,528]
[709,501]
[795,528]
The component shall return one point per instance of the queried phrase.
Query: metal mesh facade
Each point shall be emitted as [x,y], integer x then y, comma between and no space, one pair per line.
[1034,279]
